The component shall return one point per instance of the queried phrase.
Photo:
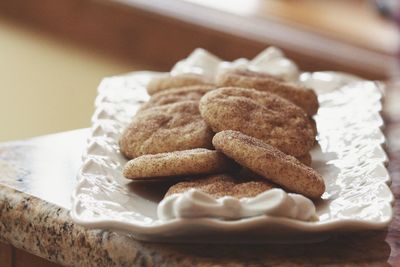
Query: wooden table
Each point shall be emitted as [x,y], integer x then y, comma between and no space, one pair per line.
[36,179]
[319,35]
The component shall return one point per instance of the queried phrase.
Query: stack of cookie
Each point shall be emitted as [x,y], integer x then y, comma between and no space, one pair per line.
[246,134]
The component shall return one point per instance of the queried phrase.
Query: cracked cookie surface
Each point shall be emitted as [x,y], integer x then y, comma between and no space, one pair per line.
[187,93]
[167,128]
[263,115]
[302,96]
[270,163]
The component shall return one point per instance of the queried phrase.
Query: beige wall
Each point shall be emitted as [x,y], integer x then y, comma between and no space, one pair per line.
[46,85]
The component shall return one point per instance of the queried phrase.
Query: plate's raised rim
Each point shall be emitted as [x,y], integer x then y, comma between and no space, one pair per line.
[235,225]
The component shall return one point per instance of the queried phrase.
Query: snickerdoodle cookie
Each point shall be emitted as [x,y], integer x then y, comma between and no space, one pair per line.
[303,97]
[178,163]
[263,115]
[166,82]
[167,128]
[270,163]
[221,185]
[187,93]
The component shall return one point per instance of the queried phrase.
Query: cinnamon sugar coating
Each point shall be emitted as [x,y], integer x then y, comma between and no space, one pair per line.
[178,163]
[270,163]
[187,93]
[302,96]
[305,159]
[167,82]
[221,185]
[263,115]
[167,128]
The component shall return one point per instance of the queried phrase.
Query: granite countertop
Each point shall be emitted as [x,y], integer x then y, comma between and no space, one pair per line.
[37,177]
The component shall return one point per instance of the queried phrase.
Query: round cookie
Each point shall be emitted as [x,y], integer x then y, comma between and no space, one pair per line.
[167,128]
[166,82]
[188,93]
[178,163]
[221,185]
[263,115]
[302,96]
[270,163]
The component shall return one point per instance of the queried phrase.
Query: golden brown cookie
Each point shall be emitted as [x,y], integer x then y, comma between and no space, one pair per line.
[166,82]
[188,93]
[263,115]
[221,185]
[167,128]
[305,159]
[270,163]
[303,97]
[178,163]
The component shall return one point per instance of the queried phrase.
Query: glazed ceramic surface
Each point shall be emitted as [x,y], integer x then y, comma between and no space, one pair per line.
[349,156]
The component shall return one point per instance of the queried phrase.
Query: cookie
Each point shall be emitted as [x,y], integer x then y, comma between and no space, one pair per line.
[263,115]
[305,159]
[178,163]
[188,93]
[166,82]
[167,128]
[221,185]
[302,96]
[270,163]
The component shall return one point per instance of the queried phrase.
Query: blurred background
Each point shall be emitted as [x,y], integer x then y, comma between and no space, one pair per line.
[53,54]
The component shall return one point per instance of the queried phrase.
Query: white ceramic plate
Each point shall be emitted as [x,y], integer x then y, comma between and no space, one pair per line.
[349,157]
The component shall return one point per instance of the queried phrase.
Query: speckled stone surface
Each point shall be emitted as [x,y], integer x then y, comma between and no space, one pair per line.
[46,230]
[37,176]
